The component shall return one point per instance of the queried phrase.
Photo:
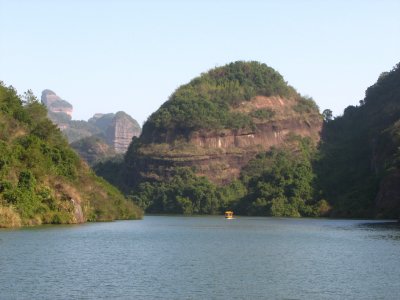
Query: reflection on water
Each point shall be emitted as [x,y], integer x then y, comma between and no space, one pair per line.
[389,225]
[383,230]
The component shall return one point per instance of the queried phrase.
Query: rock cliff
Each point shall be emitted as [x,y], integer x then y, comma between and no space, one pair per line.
[221,120]
[221,155]
[121,131]
[101,136]
[55,104]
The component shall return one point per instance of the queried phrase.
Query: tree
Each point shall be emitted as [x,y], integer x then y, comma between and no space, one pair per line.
[327,114]
[29,97]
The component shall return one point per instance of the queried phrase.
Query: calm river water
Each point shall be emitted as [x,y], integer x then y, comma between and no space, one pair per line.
[169,257]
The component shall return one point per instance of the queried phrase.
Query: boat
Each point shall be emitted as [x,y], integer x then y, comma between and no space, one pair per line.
[229,214]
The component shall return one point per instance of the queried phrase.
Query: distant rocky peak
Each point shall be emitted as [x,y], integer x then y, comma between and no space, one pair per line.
[47,93]
[55,104]
[119,129]
[115,129]
[97,116]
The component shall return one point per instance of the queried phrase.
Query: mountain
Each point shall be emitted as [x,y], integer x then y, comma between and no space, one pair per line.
[93,149]
[359,167]
[118,128]
[42,180]
[239,138]
[222,119]
[199,152]
[114,134]
[55,104]
[102,136]
[59,110]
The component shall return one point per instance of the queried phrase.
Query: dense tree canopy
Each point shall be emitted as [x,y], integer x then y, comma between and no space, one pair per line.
[205,102]
[280,182]
[361,148]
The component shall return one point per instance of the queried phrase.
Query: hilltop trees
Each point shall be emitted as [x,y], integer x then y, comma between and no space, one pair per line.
[205,102]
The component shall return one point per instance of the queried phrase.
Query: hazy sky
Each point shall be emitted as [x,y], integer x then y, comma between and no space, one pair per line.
[106,56]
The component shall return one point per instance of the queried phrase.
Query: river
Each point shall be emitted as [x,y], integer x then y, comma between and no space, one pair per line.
[177,257]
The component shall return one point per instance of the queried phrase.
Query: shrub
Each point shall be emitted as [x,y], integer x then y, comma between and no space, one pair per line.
[205,102]
[9,217]
[263,114]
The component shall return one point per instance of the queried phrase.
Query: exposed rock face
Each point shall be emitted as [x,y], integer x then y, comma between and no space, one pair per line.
[101,136]
[221,155]
[123,128]
[118,129]
[265,135]
[105,135]
[219,121]
[55,104]
[78,212]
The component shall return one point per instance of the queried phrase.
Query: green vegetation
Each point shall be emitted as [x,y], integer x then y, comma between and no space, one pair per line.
[211,103]
[93,149]
[306,105]
[77,130]
[184,193]
[94,140]
[42,180]
[206,102]
[279,182]
[360,152]
[110,170]
[353,172]
[263,114]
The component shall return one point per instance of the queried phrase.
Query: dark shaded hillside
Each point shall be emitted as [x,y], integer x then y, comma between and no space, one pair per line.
[93,149]
[359,164]
[42,180]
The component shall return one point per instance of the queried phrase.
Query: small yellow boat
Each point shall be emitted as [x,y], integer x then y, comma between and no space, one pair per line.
[229,214]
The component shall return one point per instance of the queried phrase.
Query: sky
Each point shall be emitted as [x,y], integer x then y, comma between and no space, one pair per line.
[107,56]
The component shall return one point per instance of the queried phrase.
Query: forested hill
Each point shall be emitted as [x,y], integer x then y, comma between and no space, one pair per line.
[208,102]
[41,179]
[359,167]
[219,121]
[236,137]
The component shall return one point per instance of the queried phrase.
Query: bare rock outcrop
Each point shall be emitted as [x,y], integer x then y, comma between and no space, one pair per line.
[220,155]
[55,104]
[102,136]
[121,131]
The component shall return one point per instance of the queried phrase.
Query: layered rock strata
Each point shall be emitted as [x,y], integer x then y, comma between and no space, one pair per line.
[220,155]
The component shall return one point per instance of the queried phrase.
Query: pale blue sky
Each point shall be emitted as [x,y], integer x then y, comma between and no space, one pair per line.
[105,56]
